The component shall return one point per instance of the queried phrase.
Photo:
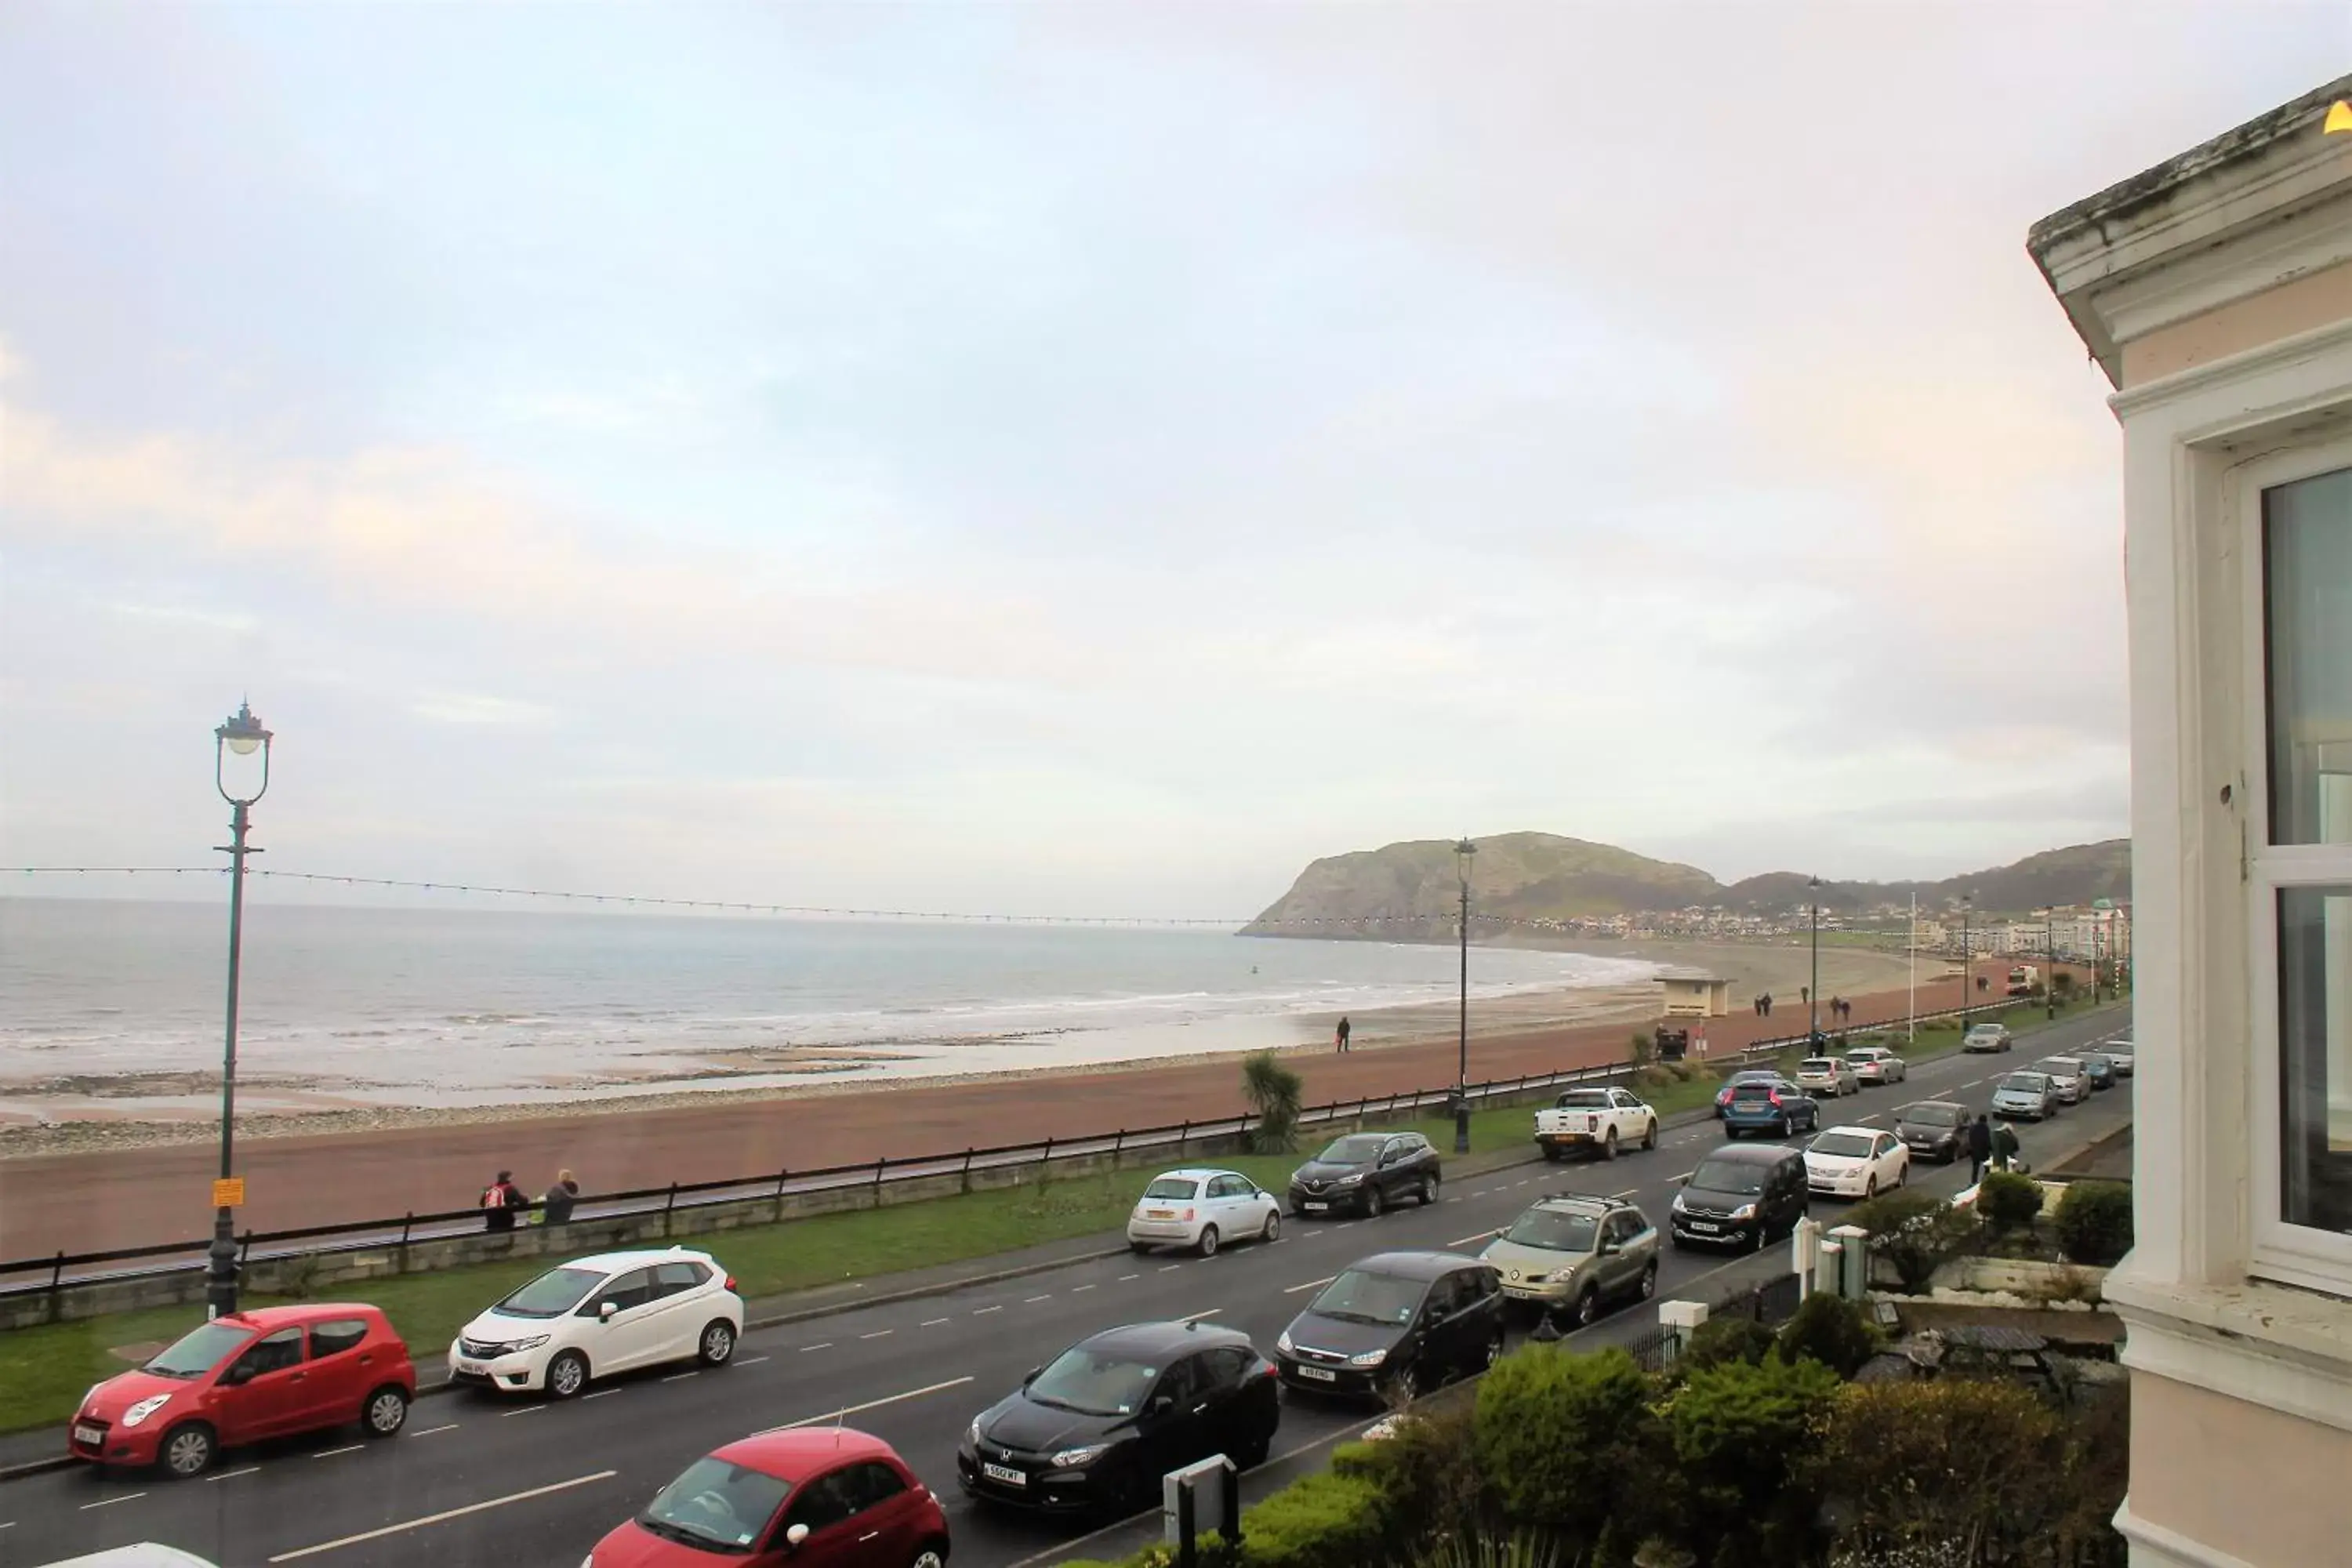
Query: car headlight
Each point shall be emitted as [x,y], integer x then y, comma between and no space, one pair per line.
[1070,1458]
[144,1408]
[1349,1181]
[531,1344]
[971,1433]
[1744,1211]
[1282,1342]
[1678,1203]
[1369,1358]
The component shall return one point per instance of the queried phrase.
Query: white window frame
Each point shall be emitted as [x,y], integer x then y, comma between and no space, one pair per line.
[2292,1254]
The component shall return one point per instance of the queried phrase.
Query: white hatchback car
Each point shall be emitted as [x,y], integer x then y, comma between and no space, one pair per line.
[1828,1075]
[1201,1209]
[1856,1162]
[595,1316]
[1876,1064]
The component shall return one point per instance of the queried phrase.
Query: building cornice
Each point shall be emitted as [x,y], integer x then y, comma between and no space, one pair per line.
[2288,1349]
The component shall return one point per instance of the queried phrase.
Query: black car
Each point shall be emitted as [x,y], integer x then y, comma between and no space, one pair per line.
[1365,1173]
[1934,1129]
[1098,1426]
[1742,1197]
[1394,1324]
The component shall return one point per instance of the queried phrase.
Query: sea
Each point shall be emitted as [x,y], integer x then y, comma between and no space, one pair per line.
[118,1004]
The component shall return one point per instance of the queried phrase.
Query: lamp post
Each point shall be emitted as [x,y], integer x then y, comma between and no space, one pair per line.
[1463,852]
[242,736]
[1813,996]
[1967,969]
[2050,957]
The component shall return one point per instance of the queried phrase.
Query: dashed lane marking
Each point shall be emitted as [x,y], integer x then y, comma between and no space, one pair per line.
[111,1502]
[878,1335]
[444,1426]
[1076,1289]
[444,1514]
[1628,1193]
[827,1344]
[681,1376]
[1468,1239]
[1198,1316]
[518,1410]
[231,1475]
[1294,1289]
[828,1416]
[346,1448]
[1164,1269]
[1125,1278]
[983,1311]
[602,1394]
[933,1322]
[1684,1177]
[751,1361]
[1035,1300]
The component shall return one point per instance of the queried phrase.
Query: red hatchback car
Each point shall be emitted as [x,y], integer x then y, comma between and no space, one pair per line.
[816,1496]
[268,1372]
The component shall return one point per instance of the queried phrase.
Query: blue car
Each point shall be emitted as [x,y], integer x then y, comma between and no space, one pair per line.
[1772,1105]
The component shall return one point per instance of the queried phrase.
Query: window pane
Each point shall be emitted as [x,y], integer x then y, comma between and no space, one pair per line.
[2307,546]
[2316,1056]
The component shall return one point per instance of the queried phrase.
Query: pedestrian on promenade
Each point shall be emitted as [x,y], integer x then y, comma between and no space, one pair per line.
[1980,1147]
[501,1199]
[1768,1003]
[555,1208]
[2004,1146]
[1342,1031]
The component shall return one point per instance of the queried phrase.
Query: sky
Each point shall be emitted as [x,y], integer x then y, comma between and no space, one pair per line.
[1069,459]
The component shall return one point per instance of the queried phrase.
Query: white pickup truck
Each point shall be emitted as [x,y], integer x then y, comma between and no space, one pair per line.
[1594,1120]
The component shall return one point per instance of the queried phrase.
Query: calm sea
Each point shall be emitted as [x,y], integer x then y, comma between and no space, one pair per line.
[449,1007]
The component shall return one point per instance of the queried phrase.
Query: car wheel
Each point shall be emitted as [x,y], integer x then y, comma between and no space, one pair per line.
[1272,1231]
[1870,1189]
[1588,1307]
[1650,1135]
[1494,1349]
[1730,1132]
[717,1346]
[1373,1203]
[1428,1195]
[1404,1385]
[1787,1126]
[1208,1241]
[188,1450]
[1139,1248]
[1677,1242]
[932,1555]
[386,1413]
[1608,1146]
[1552,1156]
[1648,1288]
[567,1375]
[1255,1451]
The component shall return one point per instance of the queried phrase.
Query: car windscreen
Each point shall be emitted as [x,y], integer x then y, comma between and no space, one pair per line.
[1931,1114]
[1817,1063]
[1861,1058]
[1841,1146]
[2058,1067]
[2025,1082]
[1584,1099]
[1173,1187]
[552,1294]
[1360,1296]
[718,1505]
[1554,1229]
[199,1351]
[1095,1383]
[1361,1150]
[1744,1177]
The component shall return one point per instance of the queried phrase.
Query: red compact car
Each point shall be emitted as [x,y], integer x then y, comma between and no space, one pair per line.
[816,1496]
[268,1372]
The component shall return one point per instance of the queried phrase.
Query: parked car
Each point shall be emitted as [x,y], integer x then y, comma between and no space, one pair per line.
[1935,1130]
[1828,1075]
[2027,1094]
[1394,1324]
[1986,1037]
[1202,1209]
[2067,1079]
[1742,1197]
[812,1494]
[2119,1052]
[1745,1075]
[1095,1429]
[271,1371]
[2099,1067]
[1577,1252]
[1856,1162]
[1772,1104]
[1365,1173]
[1876,1064]
[596,1316]
[1595,1121]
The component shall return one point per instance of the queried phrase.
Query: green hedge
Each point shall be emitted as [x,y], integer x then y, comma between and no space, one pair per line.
[2095,1221]
[1323,1520]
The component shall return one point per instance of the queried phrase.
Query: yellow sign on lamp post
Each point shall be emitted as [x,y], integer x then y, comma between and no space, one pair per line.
[2339,119]
[228,1192]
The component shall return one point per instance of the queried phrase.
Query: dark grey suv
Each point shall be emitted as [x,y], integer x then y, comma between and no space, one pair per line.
[1365,1173]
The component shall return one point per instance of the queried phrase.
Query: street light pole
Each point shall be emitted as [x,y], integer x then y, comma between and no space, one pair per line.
[241,736]
[2050,957]
[1966,968]
[1813,996]
[1463,852]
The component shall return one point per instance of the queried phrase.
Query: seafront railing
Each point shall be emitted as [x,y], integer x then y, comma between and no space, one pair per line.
[53,1274]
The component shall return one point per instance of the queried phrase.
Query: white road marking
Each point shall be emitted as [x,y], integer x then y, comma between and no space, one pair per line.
[681,1376]
[1125,1278]
[518,1410]
[825,1346]
[1628,1193]
[111,1502]
[444,1514]
[1468,1239]
[751,1361]
[1076,1289]
[932,1322]
[346,1448]
[878,1335]
[1046,1296]
[1294,1289]
[983,1311]
[1684,1177]
[444,1426]
[602,1394]
[869,1405]
[1198,1316]
[1165,1268]
[231,1475]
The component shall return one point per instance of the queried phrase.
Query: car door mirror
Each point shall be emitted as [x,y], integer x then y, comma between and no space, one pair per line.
[794,1535]
[1160,1404]
[1607,1248]
[1032,1374]
[238,1375]
[605,1311]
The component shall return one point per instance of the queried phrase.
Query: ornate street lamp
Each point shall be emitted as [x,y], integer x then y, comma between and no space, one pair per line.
[1967,967]
[1813,996]
[240,738]
[1463,853]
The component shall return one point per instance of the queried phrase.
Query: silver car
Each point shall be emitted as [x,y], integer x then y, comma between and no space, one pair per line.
[2026,1094]
[1577,1252]
[1986,1038]
[1828,1075]
[2067,1079]
[2120,1053]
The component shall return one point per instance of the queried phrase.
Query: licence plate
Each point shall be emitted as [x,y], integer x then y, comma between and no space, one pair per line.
[1160,1213]
[1519,1293]
[89,1435]
[1703,1226]
[1005,1473]
[474,1368]
[1319,1375]
[1315,1208]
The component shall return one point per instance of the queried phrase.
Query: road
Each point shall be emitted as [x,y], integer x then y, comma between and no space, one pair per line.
[479,1480]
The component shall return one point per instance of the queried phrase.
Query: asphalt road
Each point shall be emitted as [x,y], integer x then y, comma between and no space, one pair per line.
[479,1480]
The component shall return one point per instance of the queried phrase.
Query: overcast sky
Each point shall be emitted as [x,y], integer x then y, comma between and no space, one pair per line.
[1073,458]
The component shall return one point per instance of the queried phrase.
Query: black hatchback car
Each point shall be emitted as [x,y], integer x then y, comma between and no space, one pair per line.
[1365,1173]
[1742,1197]
[1934,1129]
[1098,1426]
[1394,1324]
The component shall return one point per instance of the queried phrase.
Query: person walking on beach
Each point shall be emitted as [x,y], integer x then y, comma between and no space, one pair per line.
[555,1208]
[501,1199]
[1342,1032]
[1980,1147]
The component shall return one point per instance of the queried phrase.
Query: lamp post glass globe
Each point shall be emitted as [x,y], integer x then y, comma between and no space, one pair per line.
[241,736]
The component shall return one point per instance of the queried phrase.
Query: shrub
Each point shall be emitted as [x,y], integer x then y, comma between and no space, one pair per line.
[1425,1473]
[1957,1459]
[1831,1331]
[2095,1221]
[2008,1201]
[1747,1439]
[1721,1339]
[1916,1232]
[1645,1049]
[1273,1091]
[1323,1520]
[1554,1433]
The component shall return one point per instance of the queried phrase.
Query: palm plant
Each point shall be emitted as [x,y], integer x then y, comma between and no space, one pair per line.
[1273,1091]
